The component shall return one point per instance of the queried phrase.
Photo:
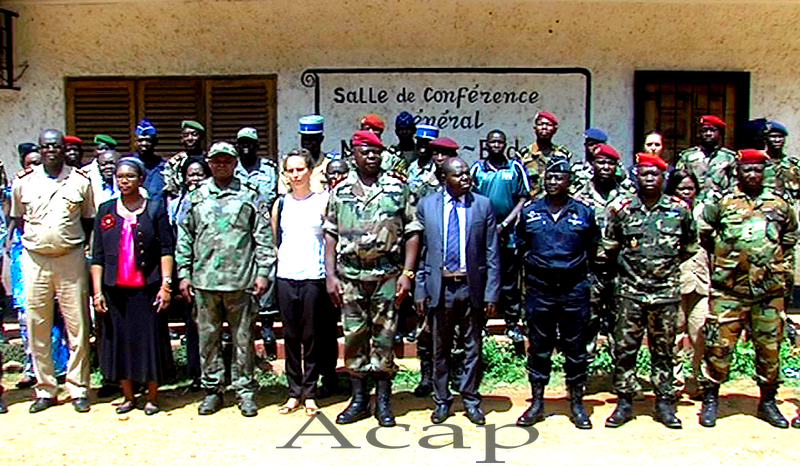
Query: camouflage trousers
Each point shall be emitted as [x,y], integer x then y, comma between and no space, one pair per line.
[369,320]
[729,316]
[633,319]
[239,308]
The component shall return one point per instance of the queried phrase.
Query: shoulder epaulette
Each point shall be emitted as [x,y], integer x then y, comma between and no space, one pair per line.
[270,162]
[619,203]
[24,172]
[81,172]
[396,176]
[680,201]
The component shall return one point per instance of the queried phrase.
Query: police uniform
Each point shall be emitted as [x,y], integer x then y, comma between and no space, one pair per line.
[54,264]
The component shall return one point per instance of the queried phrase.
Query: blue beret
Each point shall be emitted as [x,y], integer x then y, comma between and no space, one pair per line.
[427,132]
[777,127]
[404,120]
[596,134]
[312,124]
[145,128]
[26,148]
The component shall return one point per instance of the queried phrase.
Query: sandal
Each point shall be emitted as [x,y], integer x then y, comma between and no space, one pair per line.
[288,408]
[126,406]
[151,408]
[311,410]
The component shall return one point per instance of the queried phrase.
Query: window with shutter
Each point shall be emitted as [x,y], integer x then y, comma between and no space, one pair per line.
[101,106]
[166,102]
[233,103]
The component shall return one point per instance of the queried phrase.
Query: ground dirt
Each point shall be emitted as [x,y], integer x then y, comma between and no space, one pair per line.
[178,436]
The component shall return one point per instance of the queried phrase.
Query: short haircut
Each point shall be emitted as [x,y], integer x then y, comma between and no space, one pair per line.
[449,165]
[676,178]
[191,161]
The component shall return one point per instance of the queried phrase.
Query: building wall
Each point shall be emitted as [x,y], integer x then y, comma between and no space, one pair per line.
[132,38]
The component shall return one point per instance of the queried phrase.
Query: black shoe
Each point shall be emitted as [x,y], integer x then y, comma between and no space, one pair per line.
[358,408]
[535,412]
[475,415]
[383,410]
[329,387]
[81,404]
[665,413]
[412,335]
[108,391]
[268,335]
[440,413]
[795,422]
[768,410]
[708,413]
[26,382]
[514,333]
[210,404]
[41,404]
[248,407]
[578,413]
[622,413]
[3,407]
[173,334]
[126,407]
[425,387]
[61,379]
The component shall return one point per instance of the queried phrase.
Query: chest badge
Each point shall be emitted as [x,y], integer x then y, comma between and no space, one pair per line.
[634,243]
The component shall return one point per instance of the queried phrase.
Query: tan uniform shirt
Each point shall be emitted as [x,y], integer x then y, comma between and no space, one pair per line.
[52,209]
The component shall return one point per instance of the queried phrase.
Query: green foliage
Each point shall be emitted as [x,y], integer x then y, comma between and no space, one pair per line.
[502,364]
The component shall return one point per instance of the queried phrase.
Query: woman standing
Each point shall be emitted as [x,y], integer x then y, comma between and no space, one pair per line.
[695,285]
[131,277]
[297,228]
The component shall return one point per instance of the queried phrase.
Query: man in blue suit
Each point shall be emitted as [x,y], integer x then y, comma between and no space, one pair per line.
[458,279]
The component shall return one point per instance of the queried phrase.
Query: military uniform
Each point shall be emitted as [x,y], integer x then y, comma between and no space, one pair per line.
[716,172]
[782,175]
[223,245]
[650,244]
[54,265]
[393,162]
[753,240]
[535,162]
[370,224]
[583,175]
[173,182]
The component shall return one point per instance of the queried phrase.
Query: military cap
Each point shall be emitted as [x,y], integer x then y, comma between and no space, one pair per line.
[643,159]
[105,139]
[222,148]
[547,116]
[404,120]
[311,124]
[712,120]
[776,127]
[372,121]
[365,137]
[558,164]
[72,141]
[247,132]
[193,124]
[26,148]
[144,128]
[606,150]
[745,156]
[427,132]
[596,134]
[444,143]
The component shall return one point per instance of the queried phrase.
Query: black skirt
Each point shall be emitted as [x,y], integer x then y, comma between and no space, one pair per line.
[134,340]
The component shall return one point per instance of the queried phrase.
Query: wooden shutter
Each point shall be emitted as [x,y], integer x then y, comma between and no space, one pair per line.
[101,106]
[166,102]
[237,102]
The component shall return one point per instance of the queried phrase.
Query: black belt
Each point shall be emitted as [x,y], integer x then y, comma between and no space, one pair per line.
[454,279]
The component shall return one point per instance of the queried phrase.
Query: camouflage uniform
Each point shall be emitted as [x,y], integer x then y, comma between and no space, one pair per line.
[422,180]
[782,175]
[651,243]
[535,161]
[223,244]
[370,224]
[753,240]
[715,173]
[172,174]
[583,174]
[393,162]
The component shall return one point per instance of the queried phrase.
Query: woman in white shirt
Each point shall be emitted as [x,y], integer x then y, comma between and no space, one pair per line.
[297,227]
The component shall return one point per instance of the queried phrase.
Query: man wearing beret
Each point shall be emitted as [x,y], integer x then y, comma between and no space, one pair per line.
[312,133]
[536,156]
[73,151]
[391,161]
[371,245]
[193,140]
[751,231]
[557,237]
[583,171]
[603,187]
[224,255]
[713,165]
[146,141]
[647,237]
[404,129]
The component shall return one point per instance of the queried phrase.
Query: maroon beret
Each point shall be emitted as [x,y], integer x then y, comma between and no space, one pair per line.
[72,140]
[712,120]
[444,143]
[605,149]
[650,159]
[751,156]
[546,115]
[373,121]
[365,137]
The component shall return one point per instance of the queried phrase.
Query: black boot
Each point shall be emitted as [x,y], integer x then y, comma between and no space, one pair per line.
[578,413]
[708,413]
[665,412]
[796,422]
[425,387]
[622,413]
[383,412]
[358,408]
[535,412]
[768,409]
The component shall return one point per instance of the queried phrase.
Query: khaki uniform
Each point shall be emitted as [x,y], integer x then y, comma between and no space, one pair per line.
[53,264]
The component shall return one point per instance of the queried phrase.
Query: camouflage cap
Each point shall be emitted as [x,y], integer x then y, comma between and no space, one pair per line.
[222,148]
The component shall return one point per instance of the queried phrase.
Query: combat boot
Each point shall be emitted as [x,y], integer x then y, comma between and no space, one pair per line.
[383,412]
[535,412]
[768,409]
[708,413]
[796,422]
[622,413]
[425,386]
[210,404]
[665,412]
[578,413]
[358,408]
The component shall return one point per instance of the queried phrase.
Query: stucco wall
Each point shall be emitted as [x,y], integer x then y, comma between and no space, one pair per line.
[288,36]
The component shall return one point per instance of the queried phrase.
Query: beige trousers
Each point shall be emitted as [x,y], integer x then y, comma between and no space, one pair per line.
[689,334]
[65,277]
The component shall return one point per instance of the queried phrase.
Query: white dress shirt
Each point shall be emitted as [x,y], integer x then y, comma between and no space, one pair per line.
[461,211]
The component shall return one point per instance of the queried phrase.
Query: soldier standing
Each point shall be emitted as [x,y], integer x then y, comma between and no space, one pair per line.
[371,245]
[751,232]
[193,136]
[536,156]
[647,236]
[712,164]
[224,256]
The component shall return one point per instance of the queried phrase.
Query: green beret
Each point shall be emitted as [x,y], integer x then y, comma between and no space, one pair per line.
[105,139]
[192,124]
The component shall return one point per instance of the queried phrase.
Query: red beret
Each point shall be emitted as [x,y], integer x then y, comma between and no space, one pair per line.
[751,156]
[712,120]
[650,159]
[373,121]
[605,149]
[444,143]
[546,115]
[365,137]
[72,140]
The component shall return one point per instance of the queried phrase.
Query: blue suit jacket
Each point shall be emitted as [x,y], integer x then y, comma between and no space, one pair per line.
[483,254]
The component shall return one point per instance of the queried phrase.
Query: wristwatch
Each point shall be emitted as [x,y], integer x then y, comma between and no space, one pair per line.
[409,273]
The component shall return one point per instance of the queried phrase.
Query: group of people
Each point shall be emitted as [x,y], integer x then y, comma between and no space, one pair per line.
[690,255]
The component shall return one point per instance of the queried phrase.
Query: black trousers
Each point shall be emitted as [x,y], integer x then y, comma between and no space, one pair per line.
[557,309]
[509,302]
[303,319]
[454,308]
